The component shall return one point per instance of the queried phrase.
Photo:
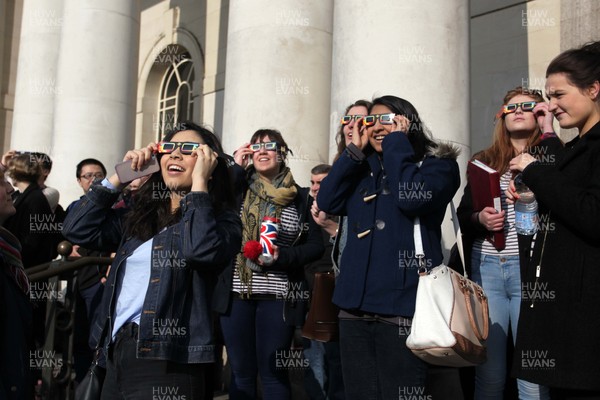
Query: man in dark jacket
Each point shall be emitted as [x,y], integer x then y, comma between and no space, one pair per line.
[323,379]
[89,279]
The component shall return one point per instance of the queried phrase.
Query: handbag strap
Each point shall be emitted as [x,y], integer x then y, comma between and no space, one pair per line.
[459,241]
[420,253]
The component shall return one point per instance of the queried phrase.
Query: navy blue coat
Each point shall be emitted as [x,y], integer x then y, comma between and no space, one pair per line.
[381,195]
[186,257]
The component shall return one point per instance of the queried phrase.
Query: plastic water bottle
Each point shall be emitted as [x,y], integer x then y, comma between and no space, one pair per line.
[526,209]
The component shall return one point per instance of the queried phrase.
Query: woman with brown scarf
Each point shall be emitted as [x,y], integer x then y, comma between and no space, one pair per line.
[263,297]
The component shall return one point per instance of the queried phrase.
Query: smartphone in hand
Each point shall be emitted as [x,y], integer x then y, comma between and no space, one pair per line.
[126,174]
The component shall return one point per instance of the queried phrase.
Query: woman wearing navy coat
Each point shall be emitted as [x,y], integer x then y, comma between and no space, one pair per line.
[379,185]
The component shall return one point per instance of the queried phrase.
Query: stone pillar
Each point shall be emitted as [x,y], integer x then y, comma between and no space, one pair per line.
[97,77]
[411,49]
[277,75]
[36,85]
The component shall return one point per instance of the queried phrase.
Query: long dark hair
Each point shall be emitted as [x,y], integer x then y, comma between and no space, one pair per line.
[418,135]
[151,209]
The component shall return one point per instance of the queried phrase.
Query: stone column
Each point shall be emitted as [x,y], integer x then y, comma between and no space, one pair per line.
[36,85]
[97,77]
[411,49]
[278,74]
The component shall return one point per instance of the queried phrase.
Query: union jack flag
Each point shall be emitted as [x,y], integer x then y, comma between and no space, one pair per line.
[268,234]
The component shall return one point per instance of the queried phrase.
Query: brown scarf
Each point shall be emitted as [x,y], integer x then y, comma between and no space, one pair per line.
[263,199]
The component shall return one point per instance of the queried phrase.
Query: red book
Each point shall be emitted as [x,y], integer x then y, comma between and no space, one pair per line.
[485,192]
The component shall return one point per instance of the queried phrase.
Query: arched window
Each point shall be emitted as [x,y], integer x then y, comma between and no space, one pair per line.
[176,100]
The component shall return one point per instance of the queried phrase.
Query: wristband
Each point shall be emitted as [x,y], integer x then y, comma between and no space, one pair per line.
[476,218]
[547,135]
[355,153]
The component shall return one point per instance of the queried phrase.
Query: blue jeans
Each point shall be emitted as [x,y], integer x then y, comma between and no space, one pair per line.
[376,363]
[323,378]
[500,278]
[258,342]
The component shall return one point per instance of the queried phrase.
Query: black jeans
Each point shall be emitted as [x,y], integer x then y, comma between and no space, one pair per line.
[258,343]
[132,378]
[376,364]
[572,394]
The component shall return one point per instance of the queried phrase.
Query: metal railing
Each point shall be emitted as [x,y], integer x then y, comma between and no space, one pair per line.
[60,318]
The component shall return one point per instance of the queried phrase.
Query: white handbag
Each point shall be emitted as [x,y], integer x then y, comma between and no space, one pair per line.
[451,321]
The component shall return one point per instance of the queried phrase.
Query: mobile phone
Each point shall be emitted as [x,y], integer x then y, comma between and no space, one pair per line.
[126,174]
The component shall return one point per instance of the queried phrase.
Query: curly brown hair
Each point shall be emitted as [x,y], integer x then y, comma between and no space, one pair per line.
[24,168]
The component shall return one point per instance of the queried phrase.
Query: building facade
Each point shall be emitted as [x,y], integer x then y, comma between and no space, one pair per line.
[94,78]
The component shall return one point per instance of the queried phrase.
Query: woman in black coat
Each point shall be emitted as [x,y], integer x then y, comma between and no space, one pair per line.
[34,223]
[15,313]
[559,326]
[37,229]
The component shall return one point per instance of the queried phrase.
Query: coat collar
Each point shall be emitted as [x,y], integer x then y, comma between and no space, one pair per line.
[578,145]
[22,196]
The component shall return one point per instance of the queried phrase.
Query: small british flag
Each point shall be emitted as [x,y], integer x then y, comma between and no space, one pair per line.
[268,236]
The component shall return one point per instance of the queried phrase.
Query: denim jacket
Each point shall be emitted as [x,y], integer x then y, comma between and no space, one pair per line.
[176,321]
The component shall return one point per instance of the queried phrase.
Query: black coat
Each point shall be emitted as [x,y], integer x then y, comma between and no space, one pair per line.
[557,339]
[15,339]
[36,227]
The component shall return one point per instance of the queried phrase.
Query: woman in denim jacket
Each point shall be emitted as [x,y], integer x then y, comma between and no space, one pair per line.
[154,324]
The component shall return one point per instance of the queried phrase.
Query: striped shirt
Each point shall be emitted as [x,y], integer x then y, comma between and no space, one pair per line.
[274,282]
[512,245]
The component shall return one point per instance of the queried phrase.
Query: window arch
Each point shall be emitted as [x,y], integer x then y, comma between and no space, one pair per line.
[177,94]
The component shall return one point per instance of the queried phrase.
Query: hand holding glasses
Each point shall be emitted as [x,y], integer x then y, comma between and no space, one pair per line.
[544,117]
[359,136]
[206,162]
[401,123]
